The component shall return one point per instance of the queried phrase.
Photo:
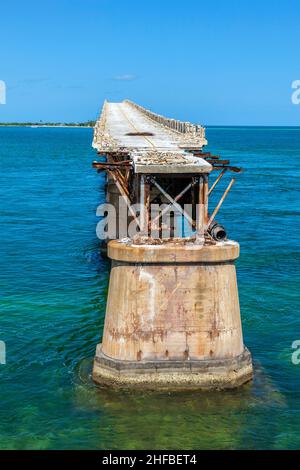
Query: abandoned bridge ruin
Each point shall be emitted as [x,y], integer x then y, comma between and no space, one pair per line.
[172,316]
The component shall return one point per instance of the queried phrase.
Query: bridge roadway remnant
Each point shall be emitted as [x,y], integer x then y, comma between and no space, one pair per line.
[172,316]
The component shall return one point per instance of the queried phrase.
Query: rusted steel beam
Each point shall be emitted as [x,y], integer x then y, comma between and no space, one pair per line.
[172,201]
[121,162]
[218,162]
[145,205]
[220,202]
[217,180]
[127,175]
[203,205]
[205,200]
[126,163]
[193,192]
[235,169]
[200,222]
[176,199]
[121,182]
[206,155]
[202,154]
[122,178]
[125,196]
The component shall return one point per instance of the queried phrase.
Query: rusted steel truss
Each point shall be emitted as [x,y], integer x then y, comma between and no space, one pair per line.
[119,165]
[120,168]
[216,163]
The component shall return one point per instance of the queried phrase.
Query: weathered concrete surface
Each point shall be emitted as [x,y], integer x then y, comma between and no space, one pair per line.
[154,162]
[175,375]
[173,252]
[173,317]
[119,121]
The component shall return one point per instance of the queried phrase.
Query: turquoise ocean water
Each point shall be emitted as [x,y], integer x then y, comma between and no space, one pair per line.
[53,284]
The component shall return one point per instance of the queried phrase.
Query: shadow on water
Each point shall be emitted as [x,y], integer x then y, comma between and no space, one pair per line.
[182,420]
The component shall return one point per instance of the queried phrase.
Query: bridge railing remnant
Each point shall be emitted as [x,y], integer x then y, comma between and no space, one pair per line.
[173,124]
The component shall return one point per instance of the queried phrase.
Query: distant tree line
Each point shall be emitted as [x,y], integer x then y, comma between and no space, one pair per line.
[71,124]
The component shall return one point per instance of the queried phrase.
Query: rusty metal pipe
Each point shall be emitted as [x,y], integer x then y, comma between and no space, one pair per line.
[217,231]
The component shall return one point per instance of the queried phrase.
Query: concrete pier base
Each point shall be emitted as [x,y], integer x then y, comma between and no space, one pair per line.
[174,375]
[173,319]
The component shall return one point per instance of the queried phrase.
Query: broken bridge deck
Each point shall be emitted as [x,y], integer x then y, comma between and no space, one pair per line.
[153,143]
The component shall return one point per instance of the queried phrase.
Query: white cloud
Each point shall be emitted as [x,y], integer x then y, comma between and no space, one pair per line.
[125,78]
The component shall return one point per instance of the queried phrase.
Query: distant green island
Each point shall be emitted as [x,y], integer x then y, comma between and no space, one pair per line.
[50,124]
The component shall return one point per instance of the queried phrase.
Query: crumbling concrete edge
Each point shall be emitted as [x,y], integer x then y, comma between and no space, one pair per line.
[173,375]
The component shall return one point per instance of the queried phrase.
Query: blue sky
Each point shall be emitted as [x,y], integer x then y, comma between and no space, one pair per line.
[214,62]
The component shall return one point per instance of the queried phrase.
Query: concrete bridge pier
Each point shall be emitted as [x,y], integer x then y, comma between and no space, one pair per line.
[172,318]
